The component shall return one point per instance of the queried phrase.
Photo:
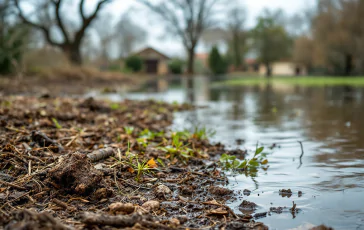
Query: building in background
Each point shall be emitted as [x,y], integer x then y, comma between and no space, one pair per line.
[284,68]
[154,62]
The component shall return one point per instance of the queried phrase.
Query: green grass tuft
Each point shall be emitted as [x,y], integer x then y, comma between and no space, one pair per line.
[302,80]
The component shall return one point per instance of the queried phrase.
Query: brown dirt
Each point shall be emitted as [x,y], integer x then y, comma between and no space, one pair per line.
[69,81]
[70,164]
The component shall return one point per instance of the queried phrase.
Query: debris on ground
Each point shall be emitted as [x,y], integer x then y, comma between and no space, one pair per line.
[321,227]
[74,163]
[247,206]
[285,192]
[246,192]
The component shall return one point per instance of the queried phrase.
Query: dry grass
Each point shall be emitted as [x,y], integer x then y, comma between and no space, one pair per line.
[78,73]
[48,70]
[69,80]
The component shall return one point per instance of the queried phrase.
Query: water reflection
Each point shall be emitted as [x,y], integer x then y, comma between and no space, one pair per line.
[329,123]
[324,115]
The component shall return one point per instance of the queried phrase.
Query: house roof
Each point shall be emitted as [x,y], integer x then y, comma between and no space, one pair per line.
[202,55]
[153,50]
[250,61]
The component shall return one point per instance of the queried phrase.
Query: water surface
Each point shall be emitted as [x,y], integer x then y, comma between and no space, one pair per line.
[328,121]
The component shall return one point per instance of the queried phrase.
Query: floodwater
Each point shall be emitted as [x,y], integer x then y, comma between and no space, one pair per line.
[328,121]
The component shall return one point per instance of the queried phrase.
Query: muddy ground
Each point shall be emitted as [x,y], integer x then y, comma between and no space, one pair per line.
[64,82]
[87,164]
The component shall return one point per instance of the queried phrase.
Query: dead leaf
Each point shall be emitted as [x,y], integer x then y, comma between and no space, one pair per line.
[131,170]
[151,205]
[121,207]
[218,212]
[264,162]
[211,202]
[80,199]
[152,164]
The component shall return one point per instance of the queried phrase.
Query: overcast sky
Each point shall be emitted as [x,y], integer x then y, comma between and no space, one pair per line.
[172,46]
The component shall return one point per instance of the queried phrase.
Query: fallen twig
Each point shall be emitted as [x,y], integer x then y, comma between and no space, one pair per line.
[12,185]
[100,154]
[115,221]
[121,221]
[302,152]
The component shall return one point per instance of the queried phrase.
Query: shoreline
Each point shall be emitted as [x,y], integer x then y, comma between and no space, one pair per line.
[79,163]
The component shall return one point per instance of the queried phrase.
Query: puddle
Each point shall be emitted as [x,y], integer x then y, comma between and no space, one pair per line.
[330,126]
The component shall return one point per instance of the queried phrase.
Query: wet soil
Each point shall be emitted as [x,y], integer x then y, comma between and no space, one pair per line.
[65,82]
[76,164]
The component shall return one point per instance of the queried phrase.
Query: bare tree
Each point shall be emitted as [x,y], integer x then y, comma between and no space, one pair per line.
[236,22]
[303,51]
[213,36]
[338,35]
[271,40]
[106,34]
[186,19]
[128,34]
[70,45]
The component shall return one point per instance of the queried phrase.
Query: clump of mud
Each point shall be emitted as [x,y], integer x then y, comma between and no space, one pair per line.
[76,174]
[220,191]
[247,206]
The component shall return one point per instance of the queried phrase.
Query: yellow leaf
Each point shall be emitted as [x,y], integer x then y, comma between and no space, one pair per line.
[264,162]
[211,202]
[152,164]
[130,169]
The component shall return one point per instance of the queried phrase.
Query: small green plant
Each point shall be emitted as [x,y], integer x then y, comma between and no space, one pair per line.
[230,162]
[132,160]
[129,155]
[141,168]
[177,148]
[183,135]
[142,141]
[149,135]
[199,133]
[114,106]
[5,104]
[129,130]
[202,133]
[55,122]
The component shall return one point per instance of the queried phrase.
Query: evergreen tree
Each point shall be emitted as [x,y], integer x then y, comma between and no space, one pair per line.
[217,63]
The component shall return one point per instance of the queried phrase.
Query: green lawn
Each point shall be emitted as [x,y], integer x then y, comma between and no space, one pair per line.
[302,80]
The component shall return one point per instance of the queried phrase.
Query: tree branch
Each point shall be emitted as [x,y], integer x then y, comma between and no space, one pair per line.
[82,13]
[86,21]
[167,13]
[43,28]
[59,19]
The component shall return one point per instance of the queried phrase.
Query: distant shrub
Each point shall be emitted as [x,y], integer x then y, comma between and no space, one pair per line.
[126,70]
[115,68]
[134,63]
[175,66]
[11,48]
[218,64]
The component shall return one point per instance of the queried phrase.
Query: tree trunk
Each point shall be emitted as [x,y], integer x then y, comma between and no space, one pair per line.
[268,70]
[348,64]
[190,61]
[190,72]
[237,61]
[73,54]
